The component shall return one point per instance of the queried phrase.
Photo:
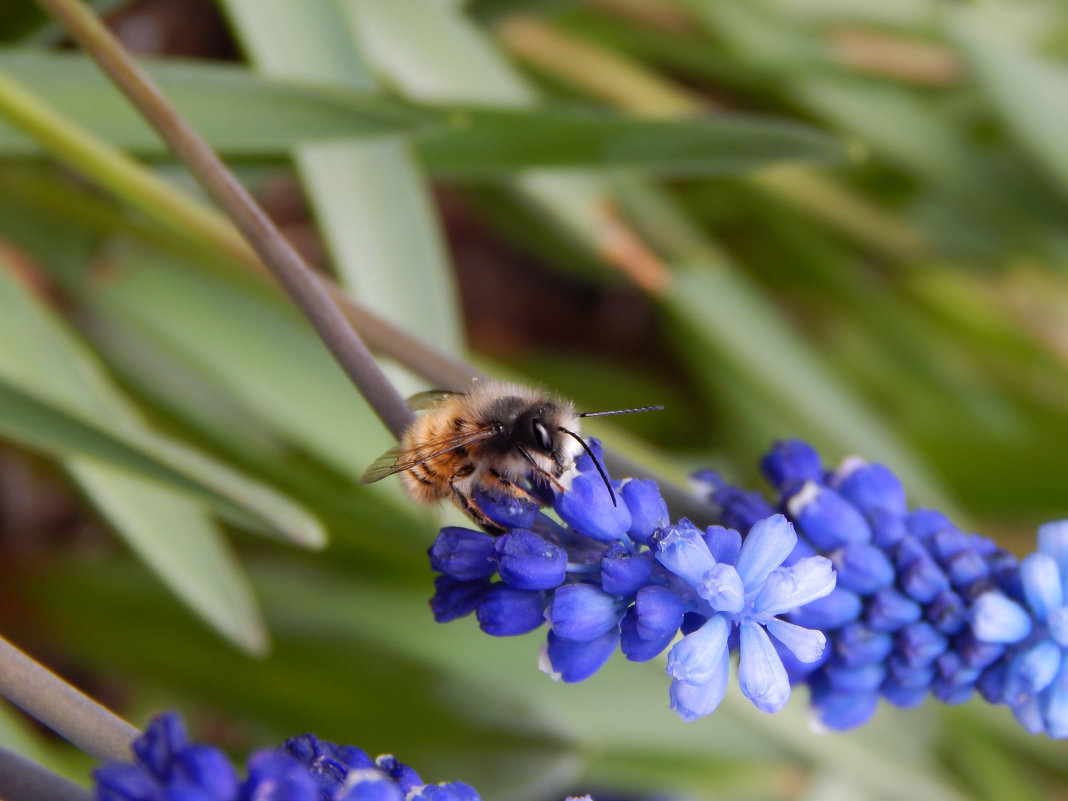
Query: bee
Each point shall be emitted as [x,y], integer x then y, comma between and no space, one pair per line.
[501,437]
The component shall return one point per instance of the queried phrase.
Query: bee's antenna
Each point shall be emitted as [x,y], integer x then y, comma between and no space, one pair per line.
[596,464]
[621,411]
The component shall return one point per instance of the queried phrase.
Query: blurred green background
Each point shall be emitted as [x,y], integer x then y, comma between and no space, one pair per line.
[844,221]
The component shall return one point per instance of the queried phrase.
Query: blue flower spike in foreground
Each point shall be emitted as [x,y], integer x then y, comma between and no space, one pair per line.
[619,576]
[922,610]
[835,584]
[168,767]
[1032,678]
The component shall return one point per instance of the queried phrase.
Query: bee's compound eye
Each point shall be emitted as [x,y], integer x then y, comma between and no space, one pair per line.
[541,436]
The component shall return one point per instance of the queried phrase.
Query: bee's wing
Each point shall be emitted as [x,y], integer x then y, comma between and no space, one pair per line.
[399,459]
[428,398]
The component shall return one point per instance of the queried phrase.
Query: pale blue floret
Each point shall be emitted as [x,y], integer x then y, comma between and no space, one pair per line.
[904,618]
[748,594]
[996,618]
[682,551]
[1035,681]
[696,657]
[1042,584]
[761,673]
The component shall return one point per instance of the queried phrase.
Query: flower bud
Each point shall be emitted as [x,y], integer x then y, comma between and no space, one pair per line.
[582,612]
[463,554]
[527,562]
[506,611]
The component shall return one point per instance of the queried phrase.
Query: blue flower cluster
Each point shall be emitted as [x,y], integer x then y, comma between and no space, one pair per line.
[617,574]
[168,767]
[1030,615]
[868,600]
[921,608]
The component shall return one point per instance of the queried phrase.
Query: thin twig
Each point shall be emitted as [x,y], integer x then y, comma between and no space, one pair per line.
[65,710]
[284,262]
[23,780]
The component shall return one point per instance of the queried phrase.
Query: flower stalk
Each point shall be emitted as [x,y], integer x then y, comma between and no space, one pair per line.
[68,712]
[23,780]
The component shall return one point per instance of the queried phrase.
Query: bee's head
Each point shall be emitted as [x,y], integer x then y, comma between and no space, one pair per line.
[544,433]
[540,430]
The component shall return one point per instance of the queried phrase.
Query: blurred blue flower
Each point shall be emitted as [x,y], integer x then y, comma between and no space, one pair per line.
[168,767]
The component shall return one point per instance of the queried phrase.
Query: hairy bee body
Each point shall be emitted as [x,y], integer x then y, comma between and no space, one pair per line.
[498,436]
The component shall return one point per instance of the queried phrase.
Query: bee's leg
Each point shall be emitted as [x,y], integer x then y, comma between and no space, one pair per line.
[467,505]
[550,478]
[539,470]
[516,489]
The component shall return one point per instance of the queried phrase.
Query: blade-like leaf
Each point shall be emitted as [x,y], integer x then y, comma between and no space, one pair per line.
[484,144]
[239,113]
[1029,93]
[374,206]
[35,422]
[56,398]
[250,345]
[180,541]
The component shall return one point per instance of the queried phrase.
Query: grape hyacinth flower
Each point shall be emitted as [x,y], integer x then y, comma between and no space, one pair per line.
[921,608]
[168,767]
[914,608]
[734,583]
[1032,677]
[615,575]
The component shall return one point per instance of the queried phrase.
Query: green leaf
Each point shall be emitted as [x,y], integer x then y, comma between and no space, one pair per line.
[251,345]
[55,397]
[487,144]
[156,492]
[720,313]
[243,115]
[37,423]
[237,112]
[492,10]
[181,542]
[1028,92]
[20,19]
[898,123]
[374,206]
[724,315]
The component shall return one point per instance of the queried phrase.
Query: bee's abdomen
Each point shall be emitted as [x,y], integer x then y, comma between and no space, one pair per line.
[423,485]
[424,474]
